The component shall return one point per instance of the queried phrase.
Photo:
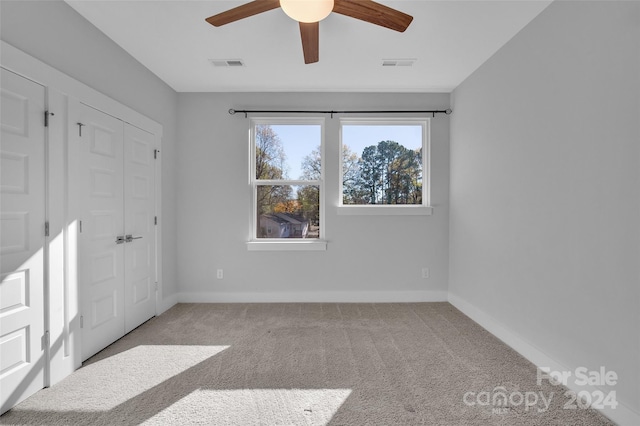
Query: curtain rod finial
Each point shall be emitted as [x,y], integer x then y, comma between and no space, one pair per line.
[448,111]
[232,111]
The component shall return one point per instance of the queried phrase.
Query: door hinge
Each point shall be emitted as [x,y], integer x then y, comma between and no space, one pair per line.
[46,229]
[46,118]
[155,153]
[80,226]
[81,321]
[44,341]
[156,286]
[155,220]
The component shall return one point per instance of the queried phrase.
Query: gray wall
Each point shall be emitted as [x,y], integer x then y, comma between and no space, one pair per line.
[57,35]
[364,254]
[545,188]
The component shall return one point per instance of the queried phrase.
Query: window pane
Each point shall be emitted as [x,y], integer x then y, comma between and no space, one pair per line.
[382,164]
[288,211]
[287,151]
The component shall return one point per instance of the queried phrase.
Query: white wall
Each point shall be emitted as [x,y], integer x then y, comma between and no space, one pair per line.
[545,189]
[54,33]
[367,258]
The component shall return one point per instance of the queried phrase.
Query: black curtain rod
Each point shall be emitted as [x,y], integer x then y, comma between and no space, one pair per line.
[249,111]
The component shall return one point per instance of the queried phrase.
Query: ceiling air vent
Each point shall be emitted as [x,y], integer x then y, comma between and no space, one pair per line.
[398,62]
[227,62]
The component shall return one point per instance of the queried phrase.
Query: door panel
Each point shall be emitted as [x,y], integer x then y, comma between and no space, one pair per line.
[22,240]
[139,208]
[101,257]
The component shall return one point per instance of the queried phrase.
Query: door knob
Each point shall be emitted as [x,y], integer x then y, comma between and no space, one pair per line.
[119,239]
[128,238]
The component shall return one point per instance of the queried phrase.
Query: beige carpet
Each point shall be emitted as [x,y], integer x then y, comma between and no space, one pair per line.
[303,364]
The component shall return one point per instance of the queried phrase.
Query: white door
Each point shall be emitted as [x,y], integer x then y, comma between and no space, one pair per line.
[101,251]
[117,240]
[139,227]
[22,239]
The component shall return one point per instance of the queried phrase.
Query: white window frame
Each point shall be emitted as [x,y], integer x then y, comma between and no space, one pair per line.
[271,244]
[423,209]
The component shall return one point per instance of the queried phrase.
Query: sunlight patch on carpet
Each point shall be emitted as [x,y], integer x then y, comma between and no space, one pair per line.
[105,384]
[254,406]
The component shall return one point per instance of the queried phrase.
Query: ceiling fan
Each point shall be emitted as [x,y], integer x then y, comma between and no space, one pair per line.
[309,13]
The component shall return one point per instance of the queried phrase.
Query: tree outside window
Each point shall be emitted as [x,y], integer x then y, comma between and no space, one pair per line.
[383,162]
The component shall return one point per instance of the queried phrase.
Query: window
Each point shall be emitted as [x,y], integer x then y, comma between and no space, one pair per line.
[384,166]
[287,184]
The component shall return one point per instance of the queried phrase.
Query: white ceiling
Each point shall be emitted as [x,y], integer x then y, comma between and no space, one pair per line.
[449,40]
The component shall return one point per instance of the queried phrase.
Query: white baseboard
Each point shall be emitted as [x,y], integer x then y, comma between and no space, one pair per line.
[622,414]
[316,297]
[166,303]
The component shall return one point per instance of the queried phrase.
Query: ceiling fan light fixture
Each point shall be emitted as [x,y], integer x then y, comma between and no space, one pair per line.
[307,11]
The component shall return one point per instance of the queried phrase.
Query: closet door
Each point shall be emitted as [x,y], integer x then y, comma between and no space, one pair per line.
[22,239]
[139,226]
[101,237]
[117,239]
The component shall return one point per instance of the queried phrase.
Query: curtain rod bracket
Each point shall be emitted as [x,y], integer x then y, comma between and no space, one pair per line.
[233,112]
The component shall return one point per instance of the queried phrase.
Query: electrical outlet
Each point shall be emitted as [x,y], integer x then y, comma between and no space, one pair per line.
[425,273]
[220,274]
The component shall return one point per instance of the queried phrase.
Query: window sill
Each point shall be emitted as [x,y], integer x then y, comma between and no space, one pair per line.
[390,210]
[300,245]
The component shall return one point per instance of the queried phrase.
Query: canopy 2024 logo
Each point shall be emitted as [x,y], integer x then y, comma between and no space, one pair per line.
[501,401]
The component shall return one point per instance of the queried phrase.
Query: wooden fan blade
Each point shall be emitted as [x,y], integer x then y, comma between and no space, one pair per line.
[243,11]
[375,13]
[310,33]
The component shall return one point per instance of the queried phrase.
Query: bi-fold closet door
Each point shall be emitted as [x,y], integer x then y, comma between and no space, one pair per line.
[23,338]
[117,238]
